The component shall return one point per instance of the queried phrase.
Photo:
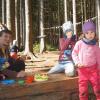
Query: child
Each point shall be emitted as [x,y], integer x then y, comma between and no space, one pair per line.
[9,67]
[85,55]
[66,46]
[14,50]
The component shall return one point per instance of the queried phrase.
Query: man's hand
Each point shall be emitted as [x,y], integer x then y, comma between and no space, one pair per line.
[6,65]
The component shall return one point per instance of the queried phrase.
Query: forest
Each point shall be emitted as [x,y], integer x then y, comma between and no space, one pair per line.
[36,24]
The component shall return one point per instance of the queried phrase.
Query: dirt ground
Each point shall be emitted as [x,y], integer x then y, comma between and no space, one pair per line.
[43,63]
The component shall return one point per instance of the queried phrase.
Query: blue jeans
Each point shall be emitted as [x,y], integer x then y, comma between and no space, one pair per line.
[66,66]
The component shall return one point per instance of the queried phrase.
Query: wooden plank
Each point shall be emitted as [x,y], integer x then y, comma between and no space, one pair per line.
[56,85]
[64,95]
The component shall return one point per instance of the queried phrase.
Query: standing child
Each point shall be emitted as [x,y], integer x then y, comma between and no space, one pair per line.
[85,55]
[66,45]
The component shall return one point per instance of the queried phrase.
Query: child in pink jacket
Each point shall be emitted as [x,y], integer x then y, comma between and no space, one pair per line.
[86,55]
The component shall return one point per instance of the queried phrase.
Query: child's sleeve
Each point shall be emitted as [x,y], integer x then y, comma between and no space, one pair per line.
[2,61]
[98,57]
[75,53]
[63,44]
[10,73]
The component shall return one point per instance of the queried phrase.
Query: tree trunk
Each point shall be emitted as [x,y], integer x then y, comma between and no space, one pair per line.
[22,23]
[58,17]
[98,14]
[3,12]
[28,20]
[12,8]
[23,26]
[74,15]
[10,16]
[16,19]
[8,13]
[84,9]
[42,44]
[65,10]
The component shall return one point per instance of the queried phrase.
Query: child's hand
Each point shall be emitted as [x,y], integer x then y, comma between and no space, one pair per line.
[21,74]
[7,64]
[80,65]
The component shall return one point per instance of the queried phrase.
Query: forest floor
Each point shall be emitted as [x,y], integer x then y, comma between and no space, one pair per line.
[43,63]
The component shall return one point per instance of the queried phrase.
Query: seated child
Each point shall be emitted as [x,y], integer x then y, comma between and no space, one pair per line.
[14,50]
[66,45]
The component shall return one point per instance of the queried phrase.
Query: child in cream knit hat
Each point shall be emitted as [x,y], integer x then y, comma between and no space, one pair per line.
[66,44]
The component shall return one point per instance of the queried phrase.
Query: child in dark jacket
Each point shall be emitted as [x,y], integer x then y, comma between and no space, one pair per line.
[14,50]
[66,45]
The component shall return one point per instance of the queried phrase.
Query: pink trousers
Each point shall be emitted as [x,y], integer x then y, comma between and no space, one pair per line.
[86,75]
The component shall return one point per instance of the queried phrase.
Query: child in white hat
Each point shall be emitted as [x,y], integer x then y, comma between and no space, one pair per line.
[66,44]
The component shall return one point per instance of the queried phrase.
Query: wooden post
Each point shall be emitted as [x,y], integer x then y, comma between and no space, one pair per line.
[65,10]
[74,15]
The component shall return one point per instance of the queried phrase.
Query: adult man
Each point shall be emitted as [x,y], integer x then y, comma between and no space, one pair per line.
[9,67]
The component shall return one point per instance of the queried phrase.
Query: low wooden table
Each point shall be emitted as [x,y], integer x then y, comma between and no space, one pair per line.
[58,87]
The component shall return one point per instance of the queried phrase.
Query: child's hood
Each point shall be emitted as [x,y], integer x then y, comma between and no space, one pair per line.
[67,26]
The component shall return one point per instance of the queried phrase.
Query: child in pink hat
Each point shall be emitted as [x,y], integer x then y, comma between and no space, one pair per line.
[86,56]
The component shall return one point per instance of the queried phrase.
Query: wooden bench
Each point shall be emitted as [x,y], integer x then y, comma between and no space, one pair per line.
[58,87]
